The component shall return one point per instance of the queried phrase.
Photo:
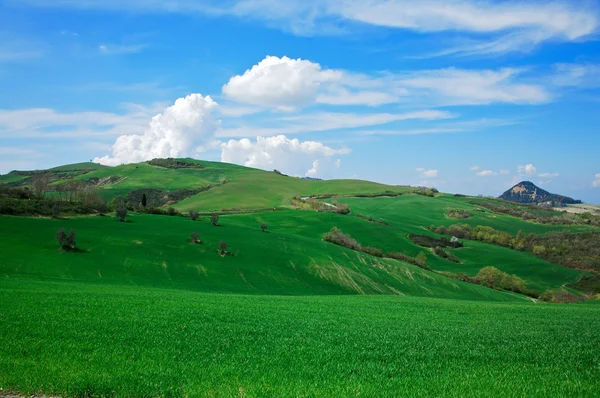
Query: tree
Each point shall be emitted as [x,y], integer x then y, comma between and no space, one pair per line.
[263,227]
[55,210]
[40,183]
[223,247]
[422,259]
[121,213]
[195,237]
[214,219]
[171,211]
[66,240]
[144,200]
[194,215]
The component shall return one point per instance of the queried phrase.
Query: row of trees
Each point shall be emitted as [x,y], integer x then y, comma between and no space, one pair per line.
[579,251]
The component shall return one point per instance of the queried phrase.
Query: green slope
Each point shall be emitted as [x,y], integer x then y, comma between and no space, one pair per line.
[74,339]
[155,251]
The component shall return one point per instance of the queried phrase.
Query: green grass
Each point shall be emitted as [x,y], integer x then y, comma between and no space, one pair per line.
[75,339]
[155,251]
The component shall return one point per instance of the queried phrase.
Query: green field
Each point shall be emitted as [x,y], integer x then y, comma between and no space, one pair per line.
[139,310]
[78,339]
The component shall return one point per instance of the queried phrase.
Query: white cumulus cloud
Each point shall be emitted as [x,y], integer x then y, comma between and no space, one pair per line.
[486,173]
[179,131]
[527,170]
[427,173]
[282,83]
[548,175]
[596,182]
[290,156]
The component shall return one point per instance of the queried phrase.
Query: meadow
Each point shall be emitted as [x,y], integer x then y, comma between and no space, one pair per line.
[76,339]
[138,309]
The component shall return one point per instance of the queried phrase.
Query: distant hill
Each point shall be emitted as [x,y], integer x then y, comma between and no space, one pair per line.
[528,192]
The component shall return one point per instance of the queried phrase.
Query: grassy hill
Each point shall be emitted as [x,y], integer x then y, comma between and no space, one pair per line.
[138,310]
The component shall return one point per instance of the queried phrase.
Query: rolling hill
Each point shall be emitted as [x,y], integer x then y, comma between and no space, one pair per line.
[139,309]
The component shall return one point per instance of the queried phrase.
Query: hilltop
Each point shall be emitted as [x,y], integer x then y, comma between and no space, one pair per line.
[527,192]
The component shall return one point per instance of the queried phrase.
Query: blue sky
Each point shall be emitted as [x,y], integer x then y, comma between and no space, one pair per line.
[467,96]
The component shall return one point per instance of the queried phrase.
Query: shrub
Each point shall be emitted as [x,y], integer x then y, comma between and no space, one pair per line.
[339,238]
[223,247]
[171,211]
[494,278]
[55,210]
[194,215]
[566,297]
[372,251]
[430,241]
[263,227]
[458,213]
[444,254]
[195,237]
[407,259]
[121,213]
[214,219]
[65,240]
[422,260]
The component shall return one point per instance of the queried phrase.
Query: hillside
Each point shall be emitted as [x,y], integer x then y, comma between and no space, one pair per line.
[141,308]
[528,192]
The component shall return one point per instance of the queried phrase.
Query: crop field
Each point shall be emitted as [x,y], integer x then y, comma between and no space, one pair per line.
[76,339]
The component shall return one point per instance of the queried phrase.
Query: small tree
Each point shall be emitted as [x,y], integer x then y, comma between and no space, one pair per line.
[65,240]
[195,237]
[223,247]
[55,210]
[143,200]
[121,213]
[40,183]
[171,211]
[214,219]
[263,227]
[194,215]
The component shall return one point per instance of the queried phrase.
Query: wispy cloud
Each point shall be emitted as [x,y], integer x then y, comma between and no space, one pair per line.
[119,49]
[500,27]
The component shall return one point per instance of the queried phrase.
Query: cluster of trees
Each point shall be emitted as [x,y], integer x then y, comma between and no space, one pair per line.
[541,215]
[458,213]
[314,204]
[336,236]
[579,251]
[170,163]
[430,241]
[496,279]
[424,191]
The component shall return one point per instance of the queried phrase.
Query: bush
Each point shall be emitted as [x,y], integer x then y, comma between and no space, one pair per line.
[223,247]
[121,213]
[339,238]
[494,278]
[194,215]
[444,254]
[407,259]
[195,237]
[263,227]
[171,211]
[65,240]
[55,210]
[458,213]
[430,241]
[372,251]
[214,219]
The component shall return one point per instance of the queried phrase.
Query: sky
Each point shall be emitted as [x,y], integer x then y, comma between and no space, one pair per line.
[468,96]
